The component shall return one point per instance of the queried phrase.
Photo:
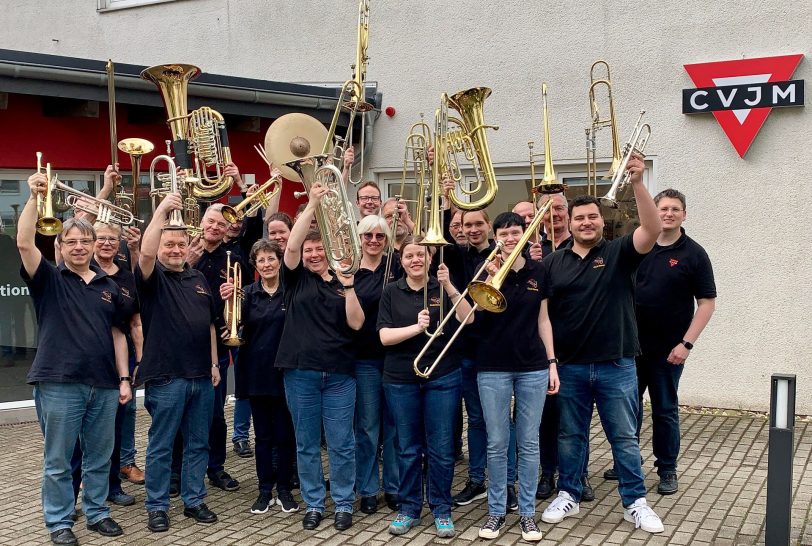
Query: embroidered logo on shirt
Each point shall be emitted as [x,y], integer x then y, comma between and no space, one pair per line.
[106,296]
[200,290]
[341,292]
[598,262]
[673,261]
[434,301]
[125,292]
[532,285]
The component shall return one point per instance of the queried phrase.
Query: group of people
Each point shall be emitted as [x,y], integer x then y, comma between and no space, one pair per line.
[328,359]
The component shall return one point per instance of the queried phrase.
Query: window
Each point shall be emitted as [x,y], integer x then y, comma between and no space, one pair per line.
[111,5]
[10,187]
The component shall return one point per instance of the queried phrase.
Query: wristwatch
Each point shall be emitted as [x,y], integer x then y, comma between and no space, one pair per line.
[553,361]
[687,344]
[126,378]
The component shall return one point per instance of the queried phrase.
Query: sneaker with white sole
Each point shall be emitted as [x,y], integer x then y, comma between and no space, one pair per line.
[561,507]
[643,516]
[492,526]
[286,501]
[403,524]
[530,531]
[264,500]
[445,527]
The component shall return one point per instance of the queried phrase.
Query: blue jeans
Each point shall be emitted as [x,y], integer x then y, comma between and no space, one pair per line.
[178,406]
[424,418]
[662,381]
[370,407]
[612,386]
[68,411]
[314,398]
[529,390]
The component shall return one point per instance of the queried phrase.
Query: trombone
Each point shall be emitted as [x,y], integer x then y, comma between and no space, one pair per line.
[635,146]
[233,309]
[254,202]
[47,222]
[439,330]
[599,122]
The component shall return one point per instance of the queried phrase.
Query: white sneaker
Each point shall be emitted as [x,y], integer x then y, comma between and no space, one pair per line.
[643,517]
[561,507]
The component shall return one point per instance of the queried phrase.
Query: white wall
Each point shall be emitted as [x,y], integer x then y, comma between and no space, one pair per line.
[751,214]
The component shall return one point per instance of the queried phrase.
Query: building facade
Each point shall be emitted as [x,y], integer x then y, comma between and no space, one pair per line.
[747,212]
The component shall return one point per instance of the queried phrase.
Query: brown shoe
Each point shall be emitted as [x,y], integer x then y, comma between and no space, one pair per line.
[132,474]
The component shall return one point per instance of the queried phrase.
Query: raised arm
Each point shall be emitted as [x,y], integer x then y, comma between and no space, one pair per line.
[293,250]
[650,227]
[27,225]
[152,235]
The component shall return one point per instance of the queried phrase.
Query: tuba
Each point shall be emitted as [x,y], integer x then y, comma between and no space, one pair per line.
[470,140]
[201,134]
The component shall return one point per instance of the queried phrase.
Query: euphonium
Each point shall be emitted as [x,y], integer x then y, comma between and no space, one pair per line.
[251,204]
[233,309]
[47,222]
[471,140]
[636,145]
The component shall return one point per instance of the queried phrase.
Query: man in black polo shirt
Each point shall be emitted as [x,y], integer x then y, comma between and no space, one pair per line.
[80,372]
[589,290]
[675,273]
[179,366]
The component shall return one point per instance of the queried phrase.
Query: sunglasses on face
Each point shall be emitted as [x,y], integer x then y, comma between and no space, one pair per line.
[376,236]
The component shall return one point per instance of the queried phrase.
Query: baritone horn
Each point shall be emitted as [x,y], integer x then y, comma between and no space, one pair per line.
[636,145]
[254,202]
[47,222]
[233,309]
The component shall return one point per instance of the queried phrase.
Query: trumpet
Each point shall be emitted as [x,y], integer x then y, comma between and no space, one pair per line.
[47,222]
[599,122]
[251,204]
[635,146]
[439,331]
[103,211]
[233,309]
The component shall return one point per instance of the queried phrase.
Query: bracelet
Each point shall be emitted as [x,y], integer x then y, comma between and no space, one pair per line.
[216,366]
[687,344]
[454,295]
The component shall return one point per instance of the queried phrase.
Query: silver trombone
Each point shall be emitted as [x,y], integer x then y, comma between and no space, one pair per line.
[451,312]
[635,146]
[103,210]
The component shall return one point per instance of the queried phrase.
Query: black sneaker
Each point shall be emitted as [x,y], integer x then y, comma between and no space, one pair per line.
[610,474]
[243,449]
[587,493]
[546,487]
[530,531]
[286,501]
[472,491]
[492,527]
[224,481]
[668,483]
[264,500]
[512,499]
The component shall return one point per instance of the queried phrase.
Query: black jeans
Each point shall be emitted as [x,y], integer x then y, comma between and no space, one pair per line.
[662,381]
[275,442]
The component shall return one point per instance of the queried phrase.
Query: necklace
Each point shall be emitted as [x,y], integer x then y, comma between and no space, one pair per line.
[270,291]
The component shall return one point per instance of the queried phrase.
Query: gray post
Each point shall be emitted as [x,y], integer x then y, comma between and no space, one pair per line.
[779,460]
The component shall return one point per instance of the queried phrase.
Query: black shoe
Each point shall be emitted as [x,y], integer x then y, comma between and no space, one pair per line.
[610,474]
[224,481]
[311,520]
[587,494]
[65,537]
[264,500]
[392,501]
[200,513]
[473,491]
[174,486]
[243,449]
[668,483]
[106,528]
[546,487]
[120,498]
[343,521]
[369,505]
[286,501]
[158,521]
[512,499]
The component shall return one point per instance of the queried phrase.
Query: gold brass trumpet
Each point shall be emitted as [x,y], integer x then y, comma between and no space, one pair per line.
[47,222]
[251,204]
[635,146]
[233,309]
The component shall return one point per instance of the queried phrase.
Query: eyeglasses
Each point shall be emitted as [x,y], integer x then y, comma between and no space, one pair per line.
[77,242]
[107,240]
[377,236]
[455,225]
[368,199]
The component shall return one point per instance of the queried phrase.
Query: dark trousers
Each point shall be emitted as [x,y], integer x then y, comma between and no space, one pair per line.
[548,437]
[218,432]
[662,381]
[275,442]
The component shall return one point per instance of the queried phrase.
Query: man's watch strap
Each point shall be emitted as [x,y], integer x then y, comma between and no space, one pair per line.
[126,378]
[687,344]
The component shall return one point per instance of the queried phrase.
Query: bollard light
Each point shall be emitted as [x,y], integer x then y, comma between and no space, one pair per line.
[779,460]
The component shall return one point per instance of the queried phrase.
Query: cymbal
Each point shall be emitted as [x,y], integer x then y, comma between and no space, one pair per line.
[293,136]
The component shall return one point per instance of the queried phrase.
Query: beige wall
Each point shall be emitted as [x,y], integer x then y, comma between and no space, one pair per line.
[752,214]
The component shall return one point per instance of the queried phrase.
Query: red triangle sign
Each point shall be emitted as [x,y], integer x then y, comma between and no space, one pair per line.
[742,126]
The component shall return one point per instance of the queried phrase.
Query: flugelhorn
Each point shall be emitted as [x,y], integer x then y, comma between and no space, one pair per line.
[598,122]
[636,145]
[47,222]
[233,309]
[254,202]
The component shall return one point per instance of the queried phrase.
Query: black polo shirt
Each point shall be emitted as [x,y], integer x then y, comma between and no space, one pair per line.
[369,287]
[75,320]
[316,334]
[125,279]
[240,246]
[177,309]
[509,341]
[213,267]
[668,282]
[547,246]
[591,301]
[263,318]
[122,257]
[400,306]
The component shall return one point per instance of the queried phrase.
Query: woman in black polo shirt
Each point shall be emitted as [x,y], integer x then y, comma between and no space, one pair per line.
[423,410]
[263,317]
[512,362]
[316,352]
[369,355]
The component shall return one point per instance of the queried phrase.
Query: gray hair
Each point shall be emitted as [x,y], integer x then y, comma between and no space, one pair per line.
[84,227]
[368,223]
